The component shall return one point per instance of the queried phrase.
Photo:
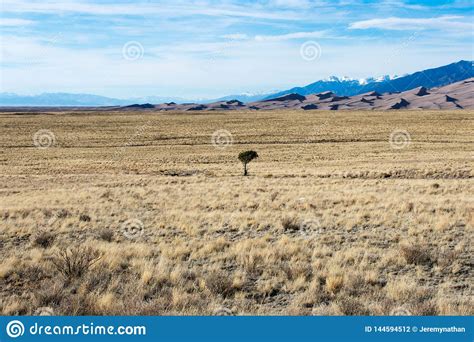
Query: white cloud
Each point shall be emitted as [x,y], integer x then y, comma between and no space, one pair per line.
[277,38]
[147,8]
[15,22]
[288,36]
[290,3]
[236,36]
[396,23]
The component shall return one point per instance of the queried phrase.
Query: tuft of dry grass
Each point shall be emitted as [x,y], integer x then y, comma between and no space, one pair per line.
[43,239]
[290,224]
[334,283]
[106,234]
[84,218]
[219,284]
[417,254]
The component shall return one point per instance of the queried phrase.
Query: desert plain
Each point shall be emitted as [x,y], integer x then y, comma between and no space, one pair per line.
[148,213]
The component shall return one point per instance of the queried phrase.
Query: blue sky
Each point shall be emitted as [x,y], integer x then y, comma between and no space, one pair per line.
[206,49]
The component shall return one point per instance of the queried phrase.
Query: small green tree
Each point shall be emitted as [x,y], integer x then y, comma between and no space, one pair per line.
[246,157]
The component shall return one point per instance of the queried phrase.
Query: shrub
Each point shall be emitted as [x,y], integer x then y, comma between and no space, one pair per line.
[74,262]
[43,239]
[415,254]
[447,257]
[351,306]
[106,234]
[219,283]
[290,224]
[84,218]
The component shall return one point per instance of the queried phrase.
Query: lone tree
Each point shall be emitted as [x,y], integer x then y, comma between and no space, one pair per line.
[246,157]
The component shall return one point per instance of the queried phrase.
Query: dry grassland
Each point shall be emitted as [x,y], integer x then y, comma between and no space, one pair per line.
[140,214]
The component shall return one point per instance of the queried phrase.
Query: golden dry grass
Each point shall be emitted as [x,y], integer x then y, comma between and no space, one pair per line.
[133,213]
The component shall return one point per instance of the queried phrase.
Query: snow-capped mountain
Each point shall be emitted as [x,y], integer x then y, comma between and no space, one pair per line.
[346,86]
[360,80]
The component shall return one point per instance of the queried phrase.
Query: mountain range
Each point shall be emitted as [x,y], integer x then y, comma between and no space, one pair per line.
[345,86]
[67,99]
[458,95]
[428,78]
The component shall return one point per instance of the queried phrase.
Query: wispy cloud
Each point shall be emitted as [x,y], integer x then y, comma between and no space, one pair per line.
[15,22]
[236,36]
[277,37]
[288,36]
[147,8]
[303,4]
[396,23]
